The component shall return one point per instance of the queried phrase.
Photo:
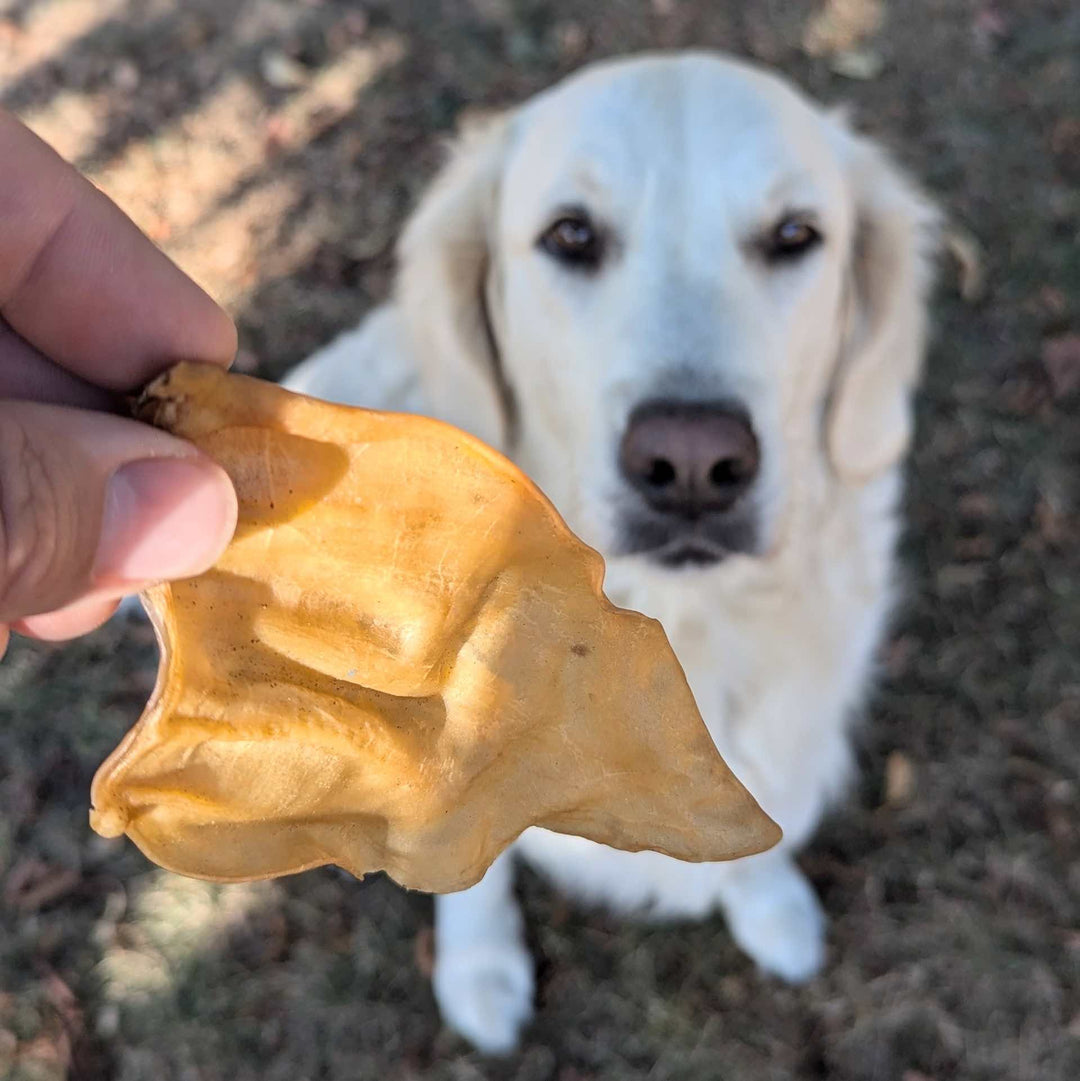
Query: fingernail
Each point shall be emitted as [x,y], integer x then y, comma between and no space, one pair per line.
[164,518]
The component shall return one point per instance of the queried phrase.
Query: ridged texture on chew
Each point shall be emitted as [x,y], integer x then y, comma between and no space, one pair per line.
[402,661]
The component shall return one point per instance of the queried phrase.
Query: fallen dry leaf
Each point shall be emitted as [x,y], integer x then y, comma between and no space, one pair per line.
[1065,135]
[979,546]
[32,885]
[842,26]
[1053,300]
[572,40]
[62,999]
[9,1045]
[56,885]
[283,72]
[966,253]
[21,877]
[498,11]
[402,661]
[424,951]
[1061,818]
[125,76]
[45,1056]
[955,578]
[899,779]
[1052,520]
[1065,146]
[990,27]
[1061,360]
[860,64]
[977,505]
[897,655]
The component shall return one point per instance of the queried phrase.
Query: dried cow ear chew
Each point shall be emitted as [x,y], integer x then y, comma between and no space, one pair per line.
[402,661]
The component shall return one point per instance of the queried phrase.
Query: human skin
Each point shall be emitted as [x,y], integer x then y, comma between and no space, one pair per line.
[93,505]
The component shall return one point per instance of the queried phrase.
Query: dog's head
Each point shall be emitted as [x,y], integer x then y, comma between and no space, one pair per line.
[677,293]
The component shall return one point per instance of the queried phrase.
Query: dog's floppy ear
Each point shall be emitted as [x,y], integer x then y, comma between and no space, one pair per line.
[870,416]
[444,258]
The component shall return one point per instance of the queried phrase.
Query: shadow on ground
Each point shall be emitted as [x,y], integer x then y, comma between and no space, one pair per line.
[273,149]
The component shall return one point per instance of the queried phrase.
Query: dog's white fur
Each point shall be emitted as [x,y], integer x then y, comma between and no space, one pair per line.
[687,157]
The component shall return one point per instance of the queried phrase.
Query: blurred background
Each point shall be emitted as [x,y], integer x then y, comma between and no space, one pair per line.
[272,149]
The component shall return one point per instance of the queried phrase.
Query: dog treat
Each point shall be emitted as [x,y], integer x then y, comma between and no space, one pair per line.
[403,660]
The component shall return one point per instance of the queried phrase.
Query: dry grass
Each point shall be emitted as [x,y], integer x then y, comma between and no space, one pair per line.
[954,887]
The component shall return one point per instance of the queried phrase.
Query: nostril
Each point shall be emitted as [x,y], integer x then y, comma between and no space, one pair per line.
[660,473]
[727,473]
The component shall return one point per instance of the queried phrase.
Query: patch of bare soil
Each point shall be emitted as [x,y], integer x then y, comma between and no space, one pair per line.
[273,149]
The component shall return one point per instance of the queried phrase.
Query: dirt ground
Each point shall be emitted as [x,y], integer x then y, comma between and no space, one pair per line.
[273,148]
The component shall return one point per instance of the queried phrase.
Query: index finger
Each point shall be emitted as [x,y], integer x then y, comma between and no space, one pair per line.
[83,285]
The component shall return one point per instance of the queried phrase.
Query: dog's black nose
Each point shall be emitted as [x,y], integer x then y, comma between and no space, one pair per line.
[689,458]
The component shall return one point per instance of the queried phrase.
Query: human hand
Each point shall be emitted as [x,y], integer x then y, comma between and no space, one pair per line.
[93,505]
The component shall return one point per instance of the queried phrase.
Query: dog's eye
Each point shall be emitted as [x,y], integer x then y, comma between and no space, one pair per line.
[573,240]
[793,236]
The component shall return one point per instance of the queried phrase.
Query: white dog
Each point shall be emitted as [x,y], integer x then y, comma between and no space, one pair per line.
[690,305]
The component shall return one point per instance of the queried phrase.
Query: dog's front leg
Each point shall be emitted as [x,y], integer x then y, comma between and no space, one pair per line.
[773,914]
[484,981]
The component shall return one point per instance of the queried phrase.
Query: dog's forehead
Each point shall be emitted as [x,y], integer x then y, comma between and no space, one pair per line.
[671,122]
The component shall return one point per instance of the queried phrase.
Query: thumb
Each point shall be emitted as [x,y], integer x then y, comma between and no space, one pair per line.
[96,506]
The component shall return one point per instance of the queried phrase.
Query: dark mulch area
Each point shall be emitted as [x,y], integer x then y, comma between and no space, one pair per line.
[955,936]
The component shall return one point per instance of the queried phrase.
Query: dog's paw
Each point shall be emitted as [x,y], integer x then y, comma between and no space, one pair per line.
[485,993]
[782,928]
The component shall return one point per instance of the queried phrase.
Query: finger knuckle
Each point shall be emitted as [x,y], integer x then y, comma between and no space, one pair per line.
[30,513]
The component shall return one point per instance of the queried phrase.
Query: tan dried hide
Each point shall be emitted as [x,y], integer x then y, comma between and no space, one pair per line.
[403,660]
